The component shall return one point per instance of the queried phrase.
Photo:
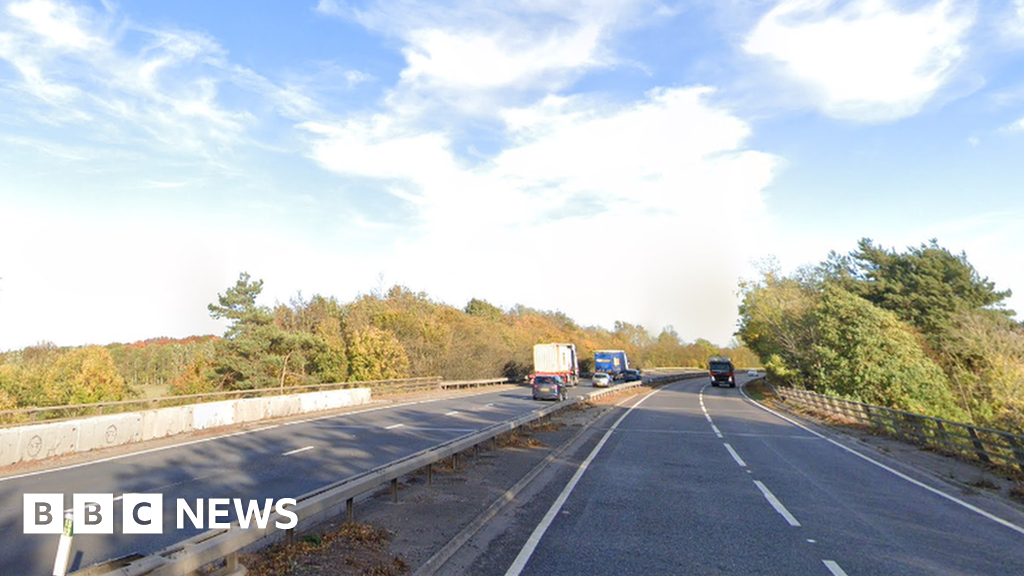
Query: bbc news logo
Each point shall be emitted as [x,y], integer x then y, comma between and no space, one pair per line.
[144,513]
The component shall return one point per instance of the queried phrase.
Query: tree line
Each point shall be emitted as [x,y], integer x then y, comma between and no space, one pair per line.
[918,330]
[394,334]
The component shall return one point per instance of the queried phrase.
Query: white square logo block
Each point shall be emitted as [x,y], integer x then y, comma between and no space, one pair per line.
[142,514]
[93,513]
[43,513]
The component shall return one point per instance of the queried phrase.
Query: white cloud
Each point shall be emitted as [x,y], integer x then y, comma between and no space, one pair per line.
[476,57]
[655,187]
[74,70]
[865,60]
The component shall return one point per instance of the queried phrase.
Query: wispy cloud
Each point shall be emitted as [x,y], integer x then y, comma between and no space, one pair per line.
[473,56]
[865,60]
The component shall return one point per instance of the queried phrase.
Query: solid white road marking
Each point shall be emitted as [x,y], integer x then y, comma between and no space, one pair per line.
[297,450]
[735,456]
[531,544]
[834,568]
[776,504]
[917,483]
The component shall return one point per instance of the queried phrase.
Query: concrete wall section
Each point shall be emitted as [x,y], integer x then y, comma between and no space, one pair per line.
[166,422]
[47,440]
[213,414]
[112,430]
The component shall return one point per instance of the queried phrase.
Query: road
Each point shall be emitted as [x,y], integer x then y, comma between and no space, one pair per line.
[275,461]
[698,480]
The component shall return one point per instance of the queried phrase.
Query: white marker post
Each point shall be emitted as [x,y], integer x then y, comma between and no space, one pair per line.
[60,564]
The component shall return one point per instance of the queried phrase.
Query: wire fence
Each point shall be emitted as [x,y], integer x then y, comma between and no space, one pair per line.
[955,438]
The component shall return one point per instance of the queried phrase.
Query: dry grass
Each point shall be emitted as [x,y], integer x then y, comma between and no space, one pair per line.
[518,439]
[349,550]
[546,425]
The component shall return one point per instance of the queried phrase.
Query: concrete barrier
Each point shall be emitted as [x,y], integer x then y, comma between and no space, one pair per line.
[106,431]
[213,414]
[250,410]
[281,406]
[39,441]
[48,440]
[9,441]
[166,422]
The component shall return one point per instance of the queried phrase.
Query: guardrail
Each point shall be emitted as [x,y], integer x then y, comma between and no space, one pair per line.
[956,438]
[379,387]
[221,546]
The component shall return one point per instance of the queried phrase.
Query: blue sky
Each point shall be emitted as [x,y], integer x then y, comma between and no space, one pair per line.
[612,159]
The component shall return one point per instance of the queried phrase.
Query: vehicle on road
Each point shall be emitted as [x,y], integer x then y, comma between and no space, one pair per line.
[723,373]
[631,375]
[601,379]
[752,373]
[611,362]
[556,359]
[549,388]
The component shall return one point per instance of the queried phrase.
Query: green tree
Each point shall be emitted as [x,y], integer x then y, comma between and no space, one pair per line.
[926,286]
[238,304]
[865,353]
[375,354]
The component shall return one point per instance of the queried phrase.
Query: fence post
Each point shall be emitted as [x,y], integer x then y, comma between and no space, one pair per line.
[1018,452]
[944,436]
[979,448]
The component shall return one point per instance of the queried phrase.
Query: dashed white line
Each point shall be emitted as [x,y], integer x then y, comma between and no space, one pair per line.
[834,568]
[297,450]
[717,431]
[776,504]
[735,456]
[452,413]
[393,426]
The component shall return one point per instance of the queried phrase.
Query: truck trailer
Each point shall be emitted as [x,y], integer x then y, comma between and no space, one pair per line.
[613,362]
[556,360]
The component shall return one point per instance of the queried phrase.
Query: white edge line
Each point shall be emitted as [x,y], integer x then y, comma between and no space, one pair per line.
[735,456]
[531,544]
[917,483]
[193,442]
[297,450]
[834,568]
[775,503]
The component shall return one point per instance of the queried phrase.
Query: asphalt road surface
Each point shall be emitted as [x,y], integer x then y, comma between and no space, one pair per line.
[276,461]
[698,480]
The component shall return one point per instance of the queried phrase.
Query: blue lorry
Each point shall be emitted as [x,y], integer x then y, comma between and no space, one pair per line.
[613,362]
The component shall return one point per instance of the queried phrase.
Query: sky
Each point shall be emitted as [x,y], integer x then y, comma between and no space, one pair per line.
[614,160]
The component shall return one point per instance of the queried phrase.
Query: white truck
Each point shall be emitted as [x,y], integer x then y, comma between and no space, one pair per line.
[556,360]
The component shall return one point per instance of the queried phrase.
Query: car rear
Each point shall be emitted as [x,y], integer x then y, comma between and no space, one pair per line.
[548,388]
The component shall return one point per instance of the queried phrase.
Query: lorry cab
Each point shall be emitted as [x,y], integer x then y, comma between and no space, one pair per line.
[723,373]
